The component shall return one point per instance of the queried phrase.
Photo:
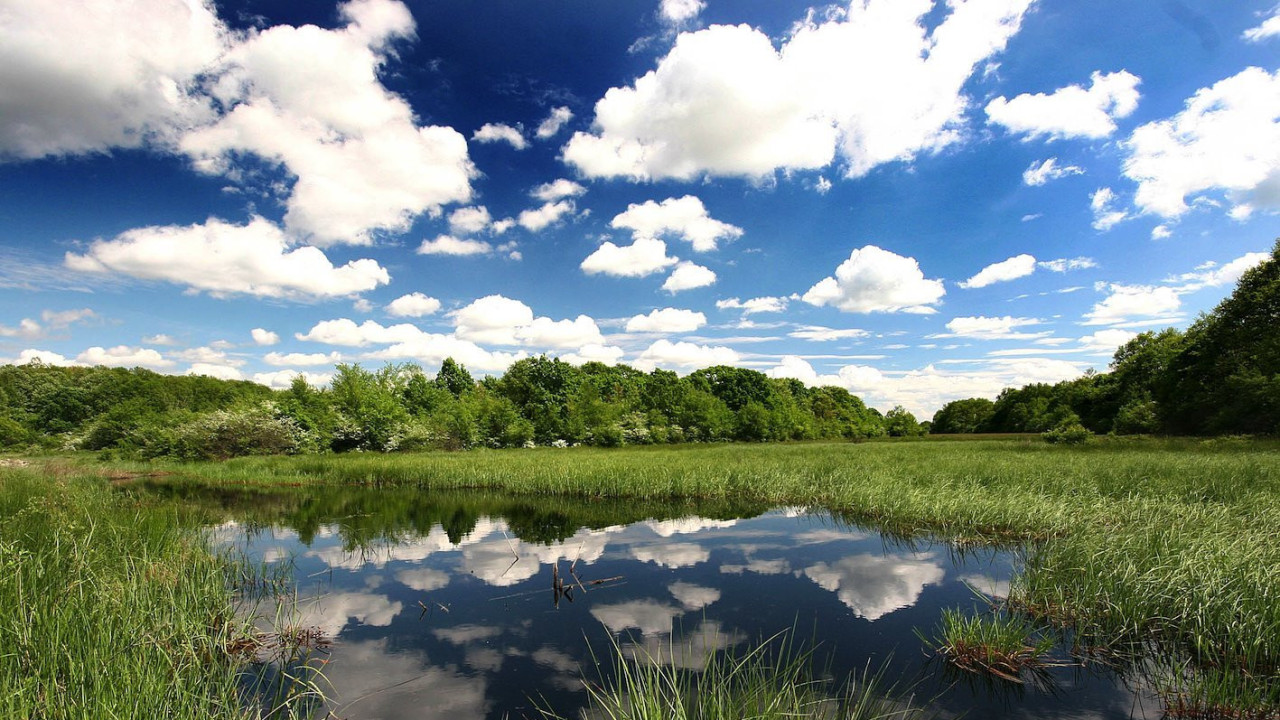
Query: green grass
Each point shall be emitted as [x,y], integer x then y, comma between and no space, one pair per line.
[110,608]
[1002,644]
[1170,544]
[770,681]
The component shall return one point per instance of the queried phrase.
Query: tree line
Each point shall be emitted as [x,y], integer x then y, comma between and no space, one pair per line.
[1222,375]
[537,401]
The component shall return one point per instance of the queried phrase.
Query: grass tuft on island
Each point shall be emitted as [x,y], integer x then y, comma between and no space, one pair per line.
[1002,644]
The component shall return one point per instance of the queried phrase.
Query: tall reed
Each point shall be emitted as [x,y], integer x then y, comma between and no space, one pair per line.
[112,609]
[772,680]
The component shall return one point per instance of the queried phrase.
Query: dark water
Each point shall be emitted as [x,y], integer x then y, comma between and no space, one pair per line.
[444,606]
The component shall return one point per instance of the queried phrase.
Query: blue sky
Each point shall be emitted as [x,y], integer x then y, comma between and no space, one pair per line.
[916,201]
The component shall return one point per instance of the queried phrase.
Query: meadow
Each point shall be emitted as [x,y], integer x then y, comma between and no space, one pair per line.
[1158,555]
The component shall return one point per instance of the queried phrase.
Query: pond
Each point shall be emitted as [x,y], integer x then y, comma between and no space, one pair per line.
[461,606]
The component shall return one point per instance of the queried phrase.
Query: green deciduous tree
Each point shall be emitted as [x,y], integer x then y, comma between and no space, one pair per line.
[963,416]
[899,422]
[1226,378]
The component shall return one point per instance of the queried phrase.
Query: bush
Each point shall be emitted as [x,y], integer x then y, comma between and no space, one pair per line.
[12,433]
[635,429]
[415,435]
[609,435]
[221,434]
[519,433]
[1068,433]
[1137,417]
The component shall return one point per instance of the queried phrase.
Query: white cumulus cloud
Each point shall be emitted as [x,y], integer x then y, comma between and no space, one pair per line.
[408,342]
[563,334]
[1213,275]
[688,276]
[305,359]
[214,370]
[667,320]
[500,320]
[309,100]
[224,259]
[876,280]
[1269,28]
[1105,342]
[1126,302]
[492,319]
[685,218]
[547,214]
[1062,265]
[1105,213]
[681,11]
[684,356]
[991,328]
[500,132]
[27,328]
[79,77]
[549,127]
[607,354]
[817,333]
[449,245]
[645,256]
[1226,139]
[750,306]
[870,82]
[1072,111]
[925,390]
[470,220]
[44,356]
[262,336]
[1015,267]
[433,348]
[346,333]
[123,356]
[558,189]
[281,379]
[414,304]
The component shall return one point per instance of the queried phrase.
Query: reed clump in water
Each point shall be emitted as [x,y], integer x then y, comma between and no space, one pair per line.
[1000,644]
[772,680]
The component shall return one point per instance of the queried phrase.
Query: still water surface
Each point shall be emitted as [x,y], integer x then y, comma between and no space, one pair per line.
[446,606]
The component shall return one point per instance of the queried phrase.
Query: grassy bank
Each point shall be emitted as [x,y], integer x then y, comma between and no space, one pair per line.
[110,607]
[1168,544]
